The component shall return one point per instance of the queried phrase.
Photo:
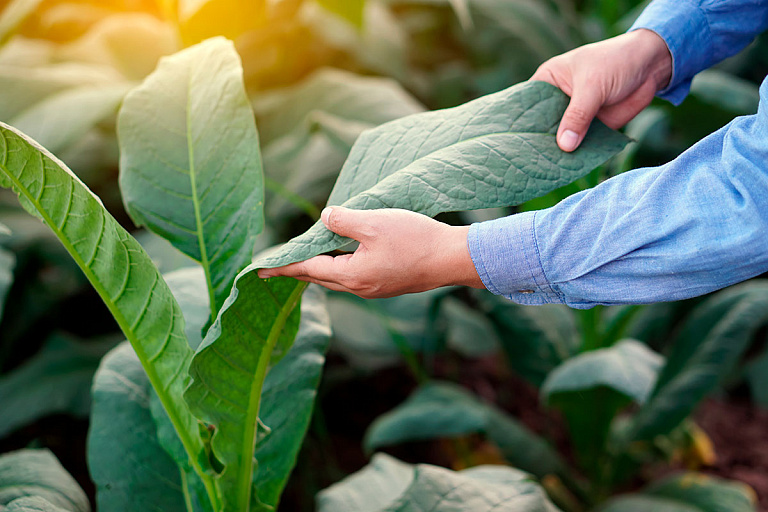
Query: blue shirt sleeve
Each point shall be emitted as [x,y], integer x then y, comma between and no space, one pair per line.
[701,33]
[694,225]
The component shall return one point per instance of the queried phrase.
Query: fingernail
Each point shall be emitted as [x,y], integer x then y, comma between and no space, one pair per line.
[569,140]
[325,214]
[264,274]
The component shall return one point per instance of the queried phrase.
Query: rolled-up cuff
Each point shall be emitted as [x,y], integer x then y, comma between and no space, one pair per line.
[685,29]
[507,259]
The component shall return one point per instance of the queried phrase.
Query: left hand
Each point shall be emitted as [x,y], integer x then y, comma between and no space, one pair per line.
[400,252]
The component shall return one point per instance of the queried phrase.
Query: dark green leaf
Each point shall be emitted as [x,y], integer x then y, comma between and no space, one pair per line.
[190,161]
[440,409]
[38,473]
[129,467]
[498,150]
[56,380]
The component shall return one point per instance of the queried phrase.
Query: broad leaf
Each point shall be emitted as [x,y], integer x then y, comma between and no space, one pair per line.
[688,492]
[469,331]
[440,409]
[38,473]
[7,264]
[129,467]
[709,344]
[33,504]
[534,339]
[288,397]
[190,162]
[114,263]
[254,329]
[387,485]
[498,150]
[56,380]
[592,387]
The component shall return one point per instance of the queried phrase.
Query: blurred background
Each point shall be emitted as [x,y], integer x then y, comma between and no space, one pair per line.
[319,72]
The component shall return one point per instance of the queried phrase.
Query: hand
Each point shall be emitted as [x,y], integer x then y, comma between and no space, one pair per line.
[400,252]
[614,80]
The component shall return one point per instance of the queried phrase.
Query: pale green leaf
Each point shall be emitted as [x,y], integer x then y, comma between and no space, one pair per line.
[441,409]
[707,347]
[254,329]
[293,380]
[62,119]
[498,150]
[469,332]
[38,473]
[188,286]
[32,504]
[388,485]
[7,264]
[129,467]
[190,162]
[114,263]
[687,492]
[56,380]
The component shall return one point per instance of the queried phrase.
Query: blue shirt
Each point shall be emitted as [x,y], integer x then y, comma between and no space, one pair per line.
[689,227]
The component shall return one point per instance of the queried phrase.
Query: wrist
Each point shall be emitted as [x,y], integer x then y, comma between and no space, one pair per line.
[656,56]
[457,267]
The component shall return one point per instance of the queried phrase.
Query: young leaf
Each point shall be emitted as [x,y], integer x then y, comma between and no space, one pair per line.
[388,485]
[38,473]
[130,469]
[190,161]
[254,329]
[115,264]
[498,150]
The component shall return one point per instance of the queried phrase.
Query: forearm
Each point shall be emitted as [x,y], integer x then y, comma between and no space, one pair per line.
[701,33]
[683,229]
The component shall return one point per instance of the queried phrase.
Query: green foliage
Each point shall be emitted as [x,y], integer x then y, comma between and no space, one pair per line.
[190,161]
[37,474]
[387,484]
[499,151]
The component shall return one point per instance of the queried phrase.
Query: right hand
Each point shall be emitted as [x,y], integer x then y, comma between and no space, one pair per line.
[614,80]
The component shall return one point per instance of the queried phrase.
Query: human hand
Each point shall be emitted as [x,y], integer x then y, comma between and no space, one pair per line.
[614,80]
[400,252]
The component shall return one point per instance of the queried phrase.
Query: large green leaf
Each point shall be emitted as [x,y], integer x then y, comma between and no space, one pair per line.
[688,492]
[37,473]
[56,380]
[115,264]
[254,329]
[388,485]
[534,339]
[441,409]
[33,504]
[190,162]
[288,397]
[709,344]
[129,467]
[592,387]
[498,150]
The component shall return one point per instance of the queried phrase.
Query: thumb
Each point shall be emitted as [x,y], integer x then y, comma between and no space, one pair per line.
[581,110]
[347,222]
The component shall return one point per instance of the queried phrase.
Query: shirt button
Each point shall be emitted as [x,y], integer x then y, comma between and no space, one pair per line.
[524,291]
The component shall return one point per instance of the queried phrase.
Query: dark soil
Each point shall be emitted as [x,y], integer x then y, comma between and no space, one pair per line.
[739,432]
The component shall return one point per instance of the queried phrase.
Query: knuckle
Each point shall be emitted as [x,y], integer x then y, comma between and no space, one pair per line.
[578,114]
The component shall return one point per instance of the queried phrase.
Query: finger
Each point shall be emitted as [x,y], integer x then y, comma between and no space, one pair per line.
[584,105]
[355,224]
[616,116]
[326,284]
[325,268]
